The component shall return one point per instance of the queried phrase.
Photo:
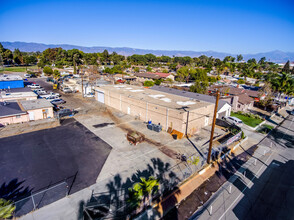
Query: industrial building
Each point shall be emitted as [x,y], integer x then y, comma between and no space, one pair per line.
[185,115]
[11,81]
[17,94]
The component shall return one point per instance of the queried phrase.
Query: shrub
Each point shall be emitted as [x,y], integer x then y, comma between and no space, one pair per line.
[148,83]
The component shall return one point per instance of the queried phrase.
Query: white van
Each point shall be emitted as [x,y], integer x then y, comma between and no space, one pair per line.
[234,120]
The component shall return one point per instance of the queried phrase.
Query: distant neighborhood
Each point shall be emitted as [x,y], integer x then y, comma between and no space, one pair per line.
[99,127]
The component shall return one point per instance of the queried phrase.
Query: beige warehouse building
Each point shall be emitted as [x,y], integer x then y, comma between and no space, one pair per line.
[167,109]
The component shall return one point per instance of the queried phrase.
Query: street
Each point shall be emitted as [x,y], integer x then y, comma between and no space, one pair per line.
[263,187]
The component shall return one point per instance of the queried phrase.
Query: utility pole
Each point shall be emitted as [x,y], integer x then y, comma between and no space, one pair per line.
[212,128]
[82,75]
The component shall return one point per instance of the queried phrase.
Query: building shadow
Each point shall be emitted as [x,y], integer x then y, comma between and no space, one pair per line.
[271,196]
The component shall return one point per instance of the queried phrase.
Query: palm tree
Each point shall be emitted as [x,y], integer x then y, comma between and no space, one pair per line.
[6,209]
[142,191]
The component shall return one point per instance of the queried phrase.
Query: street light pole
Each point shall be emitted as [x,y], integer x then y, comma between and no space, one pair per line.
[212,128]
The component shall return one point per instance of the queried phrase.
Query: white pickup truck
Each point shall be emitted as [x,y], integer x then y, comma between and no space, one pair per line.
[50,94]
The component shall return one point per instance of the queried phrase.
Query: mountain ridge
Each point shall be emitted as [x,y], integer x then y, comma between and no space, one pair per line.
[274,56]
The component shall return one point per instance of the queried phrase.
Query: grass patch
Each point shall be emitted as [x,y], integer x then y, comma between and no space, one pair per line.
[19,68]
[248,120]
[264,129]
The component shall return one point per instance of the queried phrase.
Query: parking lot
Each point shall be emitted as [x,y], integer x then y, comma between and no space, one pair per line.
[43,158]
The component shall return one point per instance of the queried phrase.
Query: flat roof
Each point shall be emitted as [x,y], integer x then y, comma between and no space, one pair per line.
[6,95]
[193,95]
[15,90]
[156,97]
[35,104]
[10,77]
[10,109]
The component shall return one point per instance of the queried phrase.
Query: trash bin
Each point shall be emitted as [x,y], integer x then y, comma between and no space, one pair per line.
[150,127]
[175,136]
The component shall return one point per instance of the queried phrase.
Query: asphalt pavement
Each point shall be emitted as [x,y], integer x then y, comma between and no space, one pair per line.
[42,159]
[263,187]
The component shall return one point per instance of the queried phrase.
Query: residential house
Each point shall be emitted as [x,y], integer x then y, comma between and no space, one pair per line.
[37,109]
[11,113]
[223,109]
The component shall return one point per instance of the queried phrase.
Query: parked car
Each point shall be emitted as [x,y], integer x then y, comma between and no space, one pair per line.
[27,75]
[52,97]
[66,90]
[234,120]
[34,86]
[26,83]
[65,112]
[292,112]
[57,101]
[50,94]
[41,92]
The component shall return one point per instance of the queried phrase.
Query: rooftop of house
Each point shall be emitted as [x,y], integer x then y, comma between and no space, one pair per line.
[10,109]
[16,90]
[35,104]
[162,75]
[148,75]
[235,91]
[196,96]
[245,99]
[164,99]
[7,94]
[10,77]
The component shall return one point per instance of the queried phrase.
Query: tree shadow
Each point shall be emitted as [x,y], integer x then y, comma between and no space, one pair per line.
[112,204]
[14,190]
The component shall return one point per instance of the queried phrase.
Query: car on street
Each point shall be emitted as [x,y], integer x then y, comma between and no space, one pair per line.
[66,90]
[234,120]
[52,97]
[27,75]
[34,86]
[292,112]
[41,92]
[65,112]
[57,101]
[50,94]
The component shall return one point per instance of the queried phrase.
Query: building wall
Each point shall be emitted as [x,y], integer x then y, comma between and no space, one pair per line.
[11,84]
[159,114]
[39,114]
[14,119]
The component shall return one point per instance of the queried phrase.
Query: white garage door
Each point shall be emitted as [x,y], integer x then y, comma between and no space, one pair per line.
[101,97]
[32,116]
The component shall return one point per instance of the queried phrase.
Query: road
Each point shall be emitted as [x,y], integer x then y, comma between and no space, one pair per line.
[263,187]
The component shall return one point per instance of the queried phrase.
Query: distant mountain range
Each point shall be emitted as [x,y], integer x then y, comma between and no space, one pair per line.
[274,56]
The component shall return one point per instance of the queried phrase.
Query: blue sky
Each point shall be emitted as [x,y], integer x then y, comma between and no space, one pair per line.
[200,25]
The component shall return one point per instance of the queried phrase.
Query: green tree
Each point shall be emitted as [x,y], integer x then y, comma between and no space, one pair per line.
[286,67]
[262,60]
[157,82]
[56,73]
[17,57]
[148,83]
[7,209]
[241,81]
[136,69]
[183,74]
[47,70]
[239,57]
[142,192]
[199,87]
[149,69]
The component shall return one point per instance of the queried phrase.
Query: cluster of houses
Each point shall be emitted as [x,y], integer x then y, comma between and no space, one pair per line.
[19,104]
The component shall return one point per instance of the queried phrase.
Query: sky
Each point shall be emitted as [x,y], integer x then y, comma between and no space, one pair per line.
[231,26]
